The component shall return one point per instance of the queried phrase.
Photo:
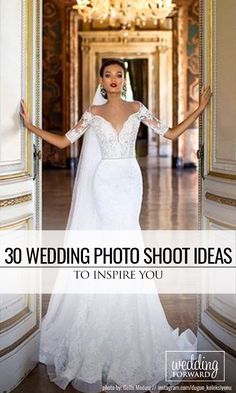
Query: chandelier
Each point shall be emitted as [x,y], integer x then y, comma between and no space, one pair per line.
[124,12]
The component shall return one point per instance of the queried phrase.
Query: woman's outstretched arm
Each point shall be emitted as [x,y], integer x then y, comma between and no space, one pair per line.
[174,132]
[59,141]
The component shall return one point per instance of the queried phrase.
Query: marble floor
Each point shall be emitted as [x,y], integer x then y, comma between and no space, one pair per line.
[170,202]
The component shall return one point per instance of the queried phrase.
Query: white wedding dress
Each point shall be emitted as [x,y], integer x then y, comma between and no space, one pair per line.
[93,340]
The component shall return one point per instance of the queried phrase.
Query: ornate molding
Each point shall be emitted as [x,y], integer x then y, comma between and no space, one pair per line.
[22,223]
[201,138]
[222,175]
[223,321]
[215,340]
[15,200]
[161,38]
[11,347]
[229,326]
[220,199]
[96,45]
[215,166]
[212,223]
[34,300]
[9,323]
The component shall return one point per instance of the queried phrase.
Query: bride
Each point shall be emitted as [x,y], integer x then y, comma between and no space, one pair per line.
[113,342]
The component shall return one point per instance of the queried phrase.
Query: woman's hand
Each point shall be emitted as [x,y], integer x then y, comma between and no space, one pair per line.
[205,97]
[60,141]
[23,113]
[176,131]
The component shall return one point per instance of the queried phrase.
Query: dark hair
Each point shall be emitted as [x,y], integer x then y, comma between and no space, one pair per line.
[110,62]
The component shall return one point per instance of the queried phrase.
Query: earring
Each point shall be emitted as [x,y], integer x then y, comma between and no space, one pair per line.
[124,91]
[103,91]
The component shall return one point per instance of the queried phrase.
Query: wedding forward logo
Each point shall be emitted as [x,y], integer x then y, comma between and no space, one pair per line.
[207,366]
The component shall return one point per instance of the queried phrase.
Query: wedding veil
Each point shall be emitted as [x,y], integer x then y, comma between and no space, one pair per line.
[82,211]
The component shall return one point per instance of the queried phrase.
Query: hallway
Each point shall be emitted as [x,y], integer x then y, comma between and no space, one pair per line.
[51,60]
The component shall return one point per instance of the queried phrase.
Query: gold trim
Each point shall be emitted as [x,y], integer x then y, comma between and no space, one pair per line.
[200,141]
[220,223]
[14,345]
[225,322]
[219,320]
[9,323]
[220,199]
[37,32]
[15,200]
[222,175]
[29,73]
[161,38]
[15,319]
[18,223]
[210,36]
[11,347]
[215,340]
[16,175]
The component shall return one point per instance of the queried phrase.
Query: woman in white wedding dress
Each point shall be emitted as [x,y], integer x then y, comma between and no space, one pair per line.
[97,341]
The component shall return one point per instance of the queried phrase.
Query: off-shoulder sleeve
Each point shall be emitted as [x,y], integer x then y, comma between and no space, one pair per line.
[79,129]
[151,121]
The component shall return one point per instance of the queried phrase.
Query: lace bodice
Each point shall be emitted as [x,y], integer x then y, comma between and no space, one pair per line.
[113,143]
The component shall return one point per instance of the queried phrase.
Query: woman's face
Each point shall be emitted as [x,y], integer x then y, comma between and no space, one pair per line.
[113,78]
